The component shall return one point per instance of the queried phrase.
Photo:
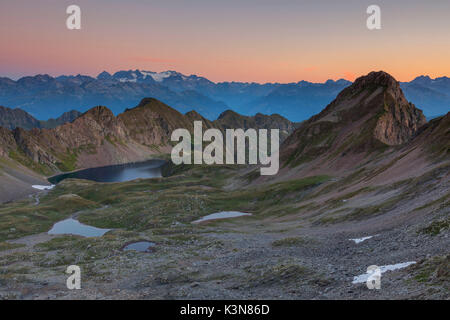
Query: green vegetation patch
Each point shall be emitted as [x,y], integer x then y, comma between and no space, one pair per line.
[290,242]
[8,246]
[156,204]
[21,218]
[68,161]
[19,156]
[433,271]
[436,227]
[443,201]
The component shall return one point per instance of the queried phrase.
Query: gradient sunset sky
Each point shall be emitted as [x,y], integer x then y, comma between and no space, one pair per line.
[245,40]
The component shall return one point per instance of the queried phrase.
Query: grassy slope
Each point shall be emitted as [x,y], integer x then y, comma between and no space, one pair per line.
[148,204]
[162,209]
[194,192]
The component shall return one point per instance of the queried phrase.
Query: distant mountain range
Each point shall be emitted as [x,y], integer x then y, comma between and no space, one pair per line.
[369,166]
[47,97]
[368,122]
[431,95]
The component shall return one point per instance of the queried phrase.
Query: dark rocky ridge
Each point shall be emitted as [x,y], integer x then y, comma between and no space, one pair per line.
[98,138]
[369,115]
[13,118]
[230,119]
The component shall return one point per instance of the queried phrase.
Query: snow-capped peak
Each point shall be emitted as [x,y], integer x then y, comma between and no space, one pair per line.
[159,76]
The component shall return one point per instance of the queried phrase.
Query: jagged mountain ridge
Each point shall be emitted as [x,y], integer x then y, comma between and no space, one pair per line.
[13,118]
[370,115]
[432,95]
[45,97]
[230,120]
[98,137]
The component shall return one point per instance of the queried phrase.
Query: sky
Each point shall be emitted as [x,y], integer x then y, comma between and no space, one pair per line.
[228,40]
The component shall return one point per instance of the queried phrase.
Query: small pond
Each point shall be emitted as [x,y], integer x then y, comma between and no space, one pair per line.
[72,226]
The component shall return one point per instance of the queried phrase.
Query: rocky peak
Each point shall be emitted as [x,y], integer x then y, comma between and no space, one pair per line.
[12,118]
[152,108]
[376,78]
[68,116]
[369,115]
[146,102]
[7,141]
[39,79]
[104,76]
[152,121]
[422,79]
[378,98]
[193,114]
[100,114]
[227,114]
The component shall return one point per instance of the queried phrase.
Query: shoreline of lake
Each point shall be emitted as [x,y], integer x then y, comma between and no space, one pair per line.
[110,174]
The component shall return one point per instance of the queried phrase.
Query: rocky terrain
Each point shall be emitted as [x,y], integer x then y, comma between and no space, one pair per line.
[230,120]
[371,113]
[98,138]
[364,182]
[14,118]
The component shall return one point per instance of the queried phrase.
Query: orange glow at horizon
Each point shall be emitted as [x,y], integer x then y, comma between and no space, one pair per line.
[250,41]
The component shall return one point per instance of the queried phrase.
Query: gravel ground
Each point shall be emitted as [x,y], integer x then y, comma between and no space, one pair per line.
[233,260]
